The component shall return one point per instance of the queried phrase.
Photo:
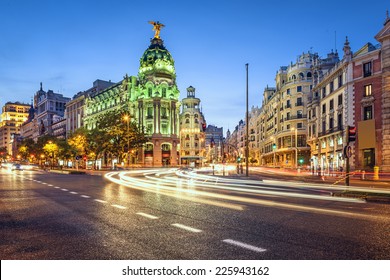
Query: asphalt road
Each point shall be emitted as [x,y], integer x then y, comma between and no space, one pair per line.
[60,216]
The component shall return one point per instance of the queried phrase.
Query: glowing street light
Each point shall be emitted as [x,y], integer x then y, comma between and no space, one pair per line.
[127,119]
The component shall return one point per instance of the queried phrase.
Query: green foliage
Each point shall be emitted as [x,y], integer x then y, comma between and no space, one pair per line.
[115,134]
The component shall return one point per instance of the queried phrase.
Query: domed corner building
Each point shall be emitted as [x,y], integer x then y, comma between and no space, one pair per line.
[152,99]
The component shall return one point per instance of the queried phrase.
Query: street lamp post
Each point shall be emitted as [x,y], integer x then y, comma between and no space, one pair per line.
[127,119]
[247,126]
[273,150]
[296,146]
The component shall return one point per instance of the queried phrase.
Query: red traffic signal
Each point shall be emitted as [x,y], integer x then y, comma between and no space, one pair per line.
[204,127]
[351,133]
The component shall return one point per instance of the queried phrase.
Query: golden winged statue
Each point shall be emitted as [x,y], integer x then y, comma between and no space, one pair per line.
[157,28]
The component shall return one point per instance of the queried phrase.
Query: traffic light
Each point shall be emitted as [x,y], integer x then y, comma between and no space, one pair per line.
[351,133]
[204,127]
[85,158]
[239,159]
[274,146]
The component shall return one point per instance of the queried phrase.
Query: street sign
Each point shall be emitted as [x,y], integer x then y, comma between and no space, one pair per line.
[347,151]
[351,133]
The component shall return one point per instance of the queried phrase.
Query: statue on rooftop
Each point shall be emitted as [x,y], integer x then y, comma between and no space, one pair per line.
[157,28]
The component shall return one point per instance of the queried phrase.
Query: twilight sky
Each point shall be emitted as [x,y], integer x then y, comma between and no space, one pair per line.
[69,44]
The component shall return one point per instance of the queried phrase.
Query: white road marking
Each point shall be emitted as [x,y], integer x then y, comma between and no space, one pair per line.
[118,206]
[56,187]
[147,215]
[73,192]
[43,183]
[65,190]
[50,185]
[101,201]
[85,196]
[244,245]
[187,228]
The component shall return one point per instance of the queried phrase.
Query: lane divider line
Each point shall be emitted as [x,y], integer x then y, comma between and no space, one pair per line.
[244,245]
[73,192]
[85,196]
[191,229]
[147,215]
[65,190]
[57,187]
[101,201]
[118,206]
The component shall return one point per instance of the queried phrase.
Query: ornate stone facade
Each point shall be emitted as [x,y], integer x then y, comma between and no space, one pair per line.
[151,99]
[192,134]
[384,38]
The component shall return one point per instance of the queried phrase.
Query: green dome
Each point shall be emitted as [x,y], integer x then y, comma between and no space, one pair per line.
[156,62]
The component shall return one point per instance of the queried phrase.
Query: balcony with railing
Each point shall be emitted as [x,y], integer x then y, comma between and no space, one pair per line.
[331,130]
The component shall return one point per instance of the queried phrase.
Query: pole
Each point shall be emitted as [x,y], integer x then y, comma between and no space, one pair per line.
[347,159]
[296,147]
[247,126]
[128,143]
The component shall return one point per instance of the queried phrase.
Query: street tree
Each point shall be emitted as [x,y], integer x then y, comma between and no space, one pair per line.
[121,135]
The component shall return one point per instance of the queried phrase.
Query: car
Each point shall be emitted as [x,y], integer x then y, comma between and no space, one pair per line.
[16,166]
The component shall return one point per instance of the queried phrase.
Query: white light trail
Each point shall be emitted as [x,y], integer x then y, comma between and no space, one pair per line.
[230,194]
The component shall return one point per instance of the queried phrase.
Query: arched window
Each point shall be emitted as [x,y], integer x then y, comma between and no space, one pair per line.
[165,147]
[294,77]
[301,76]
[308,74]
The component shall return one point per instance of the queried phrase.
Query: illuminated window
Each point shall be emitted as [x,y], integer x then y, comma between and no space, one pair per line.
[367,90]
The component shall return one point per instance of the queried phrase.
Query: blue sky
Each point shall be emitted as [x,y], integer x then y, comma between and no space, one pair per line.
[69,44]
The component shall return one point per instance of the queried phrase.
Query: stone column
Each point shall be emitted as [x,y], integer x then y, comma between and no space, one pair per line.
[154,117]
[159,116]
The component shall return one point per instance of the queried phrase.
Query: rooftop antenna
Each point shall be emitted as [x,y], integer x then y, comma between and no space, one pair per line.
[335,45]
